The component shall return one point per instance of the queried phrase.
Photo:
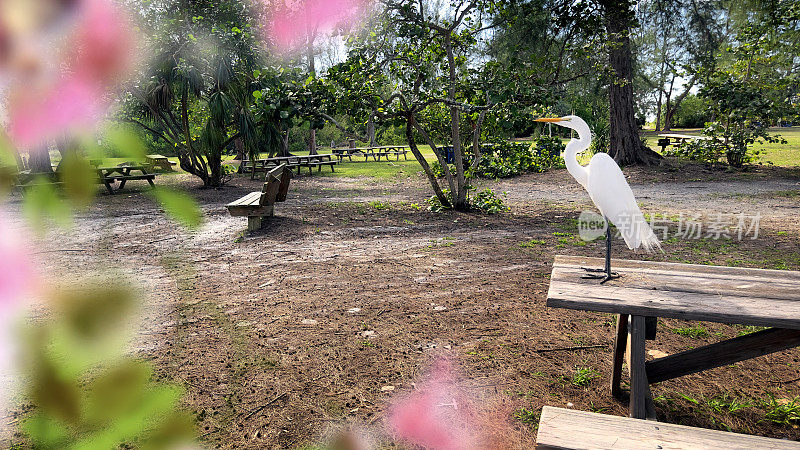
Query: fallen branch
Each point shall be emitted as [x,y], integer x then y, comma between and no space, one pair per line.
[261,408]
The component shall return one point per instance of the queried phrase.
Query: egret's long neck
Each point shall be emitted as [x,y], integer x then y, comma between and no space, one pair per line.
[574,147]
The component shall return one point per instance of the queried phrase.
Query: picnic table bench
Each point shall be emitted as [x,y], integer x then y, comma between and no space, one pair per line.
[570,429]
[735,295]
[123,173]
[667,138]
[153,161]
[257,205]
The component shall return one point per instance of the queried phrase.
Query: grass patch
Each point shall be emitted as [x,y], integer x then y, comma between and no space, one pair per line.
[528,417]
[532,243]
[583,376]
[782,411]
[696,332]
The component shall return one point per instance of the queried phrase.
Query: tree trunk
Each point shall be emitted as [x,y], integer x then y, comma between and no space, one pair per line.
[626,147]
[312,142]
[658,110]
[239,152]
[371,130]
[39,160]
[285,147]
[460,196]
[410,124]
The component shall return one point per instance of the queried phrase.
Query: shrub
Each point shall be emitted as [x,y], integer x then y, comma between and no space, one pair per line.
[508,159]
[486,201]
[732,144]
[489,202]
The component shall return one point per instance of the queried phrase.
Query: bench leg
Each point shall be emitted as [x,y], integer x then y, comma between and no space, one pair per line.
[108,186]
[254,223]
[620,343]
[152,185]
[641,402]
[122,183]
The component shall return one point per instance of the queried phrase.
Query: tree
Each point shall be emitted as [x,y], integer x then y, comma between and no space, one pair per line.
[625,145]
[197,97]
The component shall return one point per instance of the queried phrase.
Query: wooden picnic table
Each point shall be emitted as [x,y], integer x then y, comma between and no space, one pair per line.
[769,298]
[123,173]
[667,138]
[154,160]
[375,152]
[298,161]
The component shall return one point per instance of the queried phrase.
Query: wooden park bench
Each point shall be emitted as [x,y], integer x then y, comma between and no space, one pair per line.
[258,205]
[570,429]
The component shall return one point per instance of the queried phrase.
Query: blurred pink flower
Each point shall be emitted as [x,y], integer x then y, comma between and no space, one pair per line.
[437,415]
[17,274]
[53,92]
[290,22]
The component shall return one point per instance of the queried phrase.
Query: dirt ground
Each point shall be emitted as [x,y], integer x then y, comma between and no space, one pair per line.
[283,336]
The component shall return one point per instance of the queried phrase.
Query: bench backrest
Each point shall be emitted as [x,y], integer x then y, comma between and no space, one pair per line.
[276,187]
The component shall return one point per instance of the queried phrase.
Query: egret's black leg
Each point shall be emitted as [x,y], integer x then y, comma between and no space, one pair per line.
[607,273]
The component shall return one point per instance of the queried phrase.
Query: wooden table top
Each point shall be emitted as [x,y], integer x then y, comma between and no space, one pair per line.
[681,291]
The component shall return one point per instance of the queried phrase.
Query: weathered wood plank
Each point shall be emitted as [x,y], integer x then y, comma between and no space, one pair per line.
[722,353]
[238,211]
[677,305]
[620,343]
[640,387]
[718,294]
[246,200]
[570,429]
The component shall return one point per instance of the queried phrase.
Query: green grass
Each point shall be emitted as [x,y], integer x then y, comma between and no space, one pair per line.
[527,416]
[696,332]
[786,412]
[532,243]
[583,376]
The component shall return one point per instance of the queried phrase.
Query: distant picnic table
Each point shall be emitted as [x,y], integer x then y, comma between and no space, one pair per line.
[768,298]
[295,161]
[123,173]
[375,152]
[161,161]
[668,138]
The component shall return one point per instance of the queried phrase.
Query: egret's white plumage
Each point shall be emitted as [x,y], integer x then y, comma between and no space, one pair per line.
[603,180]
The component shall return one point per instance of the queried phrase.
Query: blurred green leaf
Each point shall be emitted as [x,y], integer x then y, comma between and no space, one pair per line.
[80,179]
[45,431]
[125,139]
[154,405]
[179,206]
[41,202]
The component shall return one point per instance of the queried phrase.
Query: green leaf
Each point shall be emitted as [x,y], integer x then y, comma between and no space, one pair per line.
[41,202]
[80,179]
[180,207]
[257,95]
[126,141]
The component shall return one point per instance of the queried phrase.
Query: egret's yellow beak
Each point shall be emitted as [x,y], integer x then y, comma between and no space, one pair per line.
[552,119]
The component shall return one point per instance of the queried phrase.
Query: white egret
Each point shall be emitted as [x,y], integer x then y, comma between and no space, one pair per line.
[603,180]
